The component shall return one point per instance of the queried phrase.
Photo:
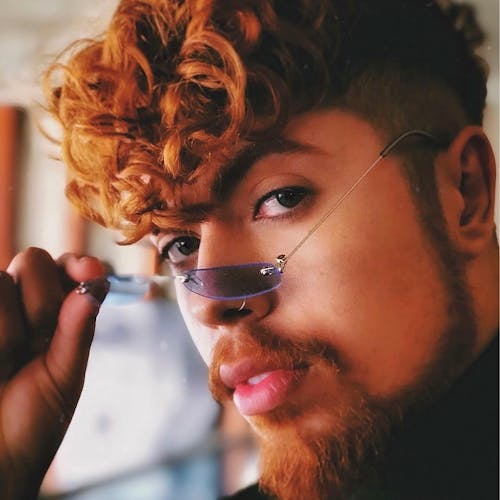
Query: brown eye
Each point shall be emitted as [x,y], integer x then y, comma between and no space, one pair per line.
[279,202]
[290,197]
[180,248]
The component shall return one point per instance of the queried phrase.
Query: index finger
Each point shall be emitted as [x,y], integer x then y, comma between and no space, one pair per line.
[37,278]
[76,269]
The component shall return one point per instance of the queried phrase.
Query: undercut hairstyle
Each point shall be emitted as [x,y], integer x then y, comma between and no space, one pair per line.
[165,95]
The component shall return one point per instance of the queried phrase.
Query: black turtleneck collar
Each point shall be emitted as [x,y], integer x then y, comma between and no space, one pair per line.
[451,451]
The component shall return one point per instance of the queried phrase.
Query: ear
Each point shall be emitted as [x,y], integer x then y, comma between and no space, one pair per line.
[470,165]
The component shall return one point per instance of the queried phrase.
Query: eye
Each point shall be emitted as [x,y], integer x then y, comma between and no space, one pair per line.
[180,249]
[279,202]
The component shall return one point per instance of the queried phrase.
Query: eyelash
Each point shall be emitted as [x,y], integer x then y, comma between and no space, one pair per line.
[301,191]
[163,253]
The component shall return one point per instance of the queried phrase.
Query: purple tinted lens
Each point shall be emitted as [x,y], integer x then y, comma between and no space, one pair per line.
[233,282]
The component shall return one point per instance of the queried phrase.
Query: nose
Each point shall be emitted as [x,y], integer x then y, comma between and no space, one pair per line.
[215,312]
[236,261]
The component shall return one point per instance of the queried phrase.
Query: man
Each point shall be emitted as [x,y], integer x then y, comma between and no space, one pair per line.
[316,175]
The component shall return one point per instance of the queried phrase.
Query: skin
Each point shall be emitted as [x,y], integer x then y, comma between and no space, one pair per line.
[382,305]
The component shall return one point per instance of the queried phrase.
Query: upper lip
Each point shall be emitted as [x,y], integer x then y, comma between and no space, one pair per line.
[236,373]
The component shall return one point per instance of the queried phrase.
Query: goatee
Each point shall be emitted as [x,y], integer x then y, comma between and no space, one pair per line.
[297,464]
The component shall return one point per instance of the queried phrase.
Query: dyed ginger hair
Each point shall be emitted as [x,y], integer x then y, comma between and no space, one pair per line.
[164,97]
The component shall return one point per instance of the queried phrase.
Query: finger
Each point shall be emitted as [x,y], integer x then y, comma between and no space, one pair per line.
[38,402]
[12,337]
[66,282]
[41,293]
[77,269]
[68,353]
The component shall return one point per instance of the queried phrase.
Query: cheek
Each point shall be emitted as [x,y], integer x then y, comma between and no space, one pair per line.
[378,297]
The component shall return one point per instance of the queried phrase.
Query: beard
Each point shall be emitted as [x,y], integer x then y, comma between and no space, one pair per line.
[320,452]
[325,461]
[340,445]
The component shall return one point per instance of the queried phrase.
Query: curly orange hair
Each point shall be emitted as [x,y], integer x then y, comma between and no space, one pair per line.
[169,85]
[173,86]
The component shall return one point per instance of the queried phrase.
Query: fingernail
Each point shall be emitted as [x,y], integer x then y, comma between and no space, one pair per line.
[95,290]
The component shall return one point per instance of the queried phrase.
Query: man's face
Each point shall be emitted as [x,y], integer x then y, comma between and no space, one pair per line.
[361,313]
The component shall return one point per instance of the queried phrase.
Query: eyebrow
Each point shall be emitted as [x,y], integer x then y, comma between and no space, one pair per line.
[232,173]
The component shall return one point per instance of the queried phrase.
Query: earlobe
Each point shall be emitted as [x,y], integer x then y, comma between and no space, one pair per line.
[471,158]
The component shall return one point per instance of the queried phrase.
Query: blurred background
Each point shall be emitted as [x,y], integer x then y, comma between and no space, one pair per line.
[146,427]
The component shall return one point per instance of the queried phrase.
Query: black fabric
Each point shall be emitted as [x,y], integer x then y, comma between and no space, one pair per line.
[252,492]
[450,452]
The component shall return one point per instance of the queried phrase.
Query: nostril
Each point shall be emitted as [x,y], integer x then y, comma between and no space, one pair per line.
[236,313]
[230,312]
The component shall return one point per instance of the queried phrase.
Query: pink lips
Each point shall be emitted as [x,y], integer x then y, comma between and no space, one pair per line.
[258,390]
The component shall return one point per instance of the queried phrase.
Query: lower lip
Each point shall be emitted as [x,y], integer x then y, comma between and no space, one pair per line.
[269,393]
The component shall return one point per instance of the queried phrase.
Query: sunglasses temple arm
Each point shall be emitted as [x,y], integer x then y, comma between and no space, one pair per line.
[403,136]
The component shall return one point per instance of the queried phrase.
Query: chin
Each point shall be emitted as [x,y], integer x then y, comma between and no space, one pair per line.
[321,452]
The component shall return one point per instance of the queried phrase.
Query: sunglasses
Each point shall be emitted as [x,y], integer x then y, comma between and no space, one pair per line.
[242,281]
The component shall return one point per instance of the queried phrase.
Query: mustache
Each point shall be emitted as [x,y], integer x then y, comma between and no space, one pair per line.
[267,347]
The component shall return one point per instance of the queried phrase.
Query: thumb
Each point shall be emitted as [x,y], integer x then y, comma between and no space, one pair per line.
[69,349]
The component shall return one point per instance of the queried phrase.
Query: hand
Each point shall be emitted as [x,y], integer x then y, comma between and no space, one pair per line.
[46,330]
